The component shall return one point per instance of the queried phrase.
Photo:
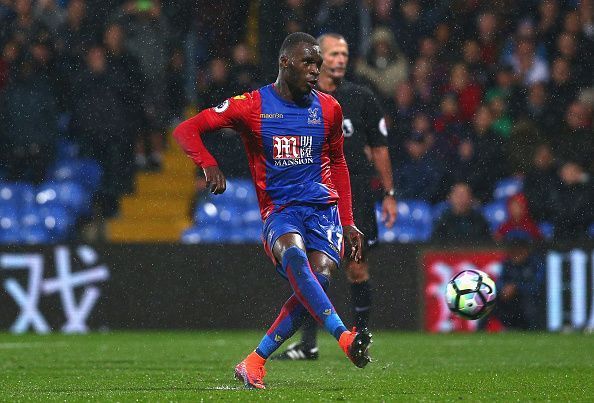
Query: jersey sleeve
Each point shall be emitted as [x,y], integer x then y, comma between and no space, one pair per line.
[231,113]
[376,130]
[339,169]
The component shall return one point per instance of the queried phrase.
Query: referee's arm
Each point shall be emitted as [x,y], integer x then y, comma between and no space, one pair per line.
[377,134]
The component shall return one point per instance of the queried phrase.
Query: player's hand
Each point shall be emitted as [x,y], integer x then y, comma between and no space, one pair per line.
[354,238]
[389,211]
[215,180]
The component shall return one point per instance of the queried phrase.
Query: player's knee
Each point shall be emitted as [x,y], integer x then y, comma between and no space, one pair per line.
[295,256]
[357,272]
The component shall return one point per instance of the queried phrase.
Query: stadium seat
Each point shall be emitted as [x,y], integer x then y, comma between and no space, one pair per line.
[66,149]
[495,213]
[206,234]
[9,216]
[69,194]
[84,171]
[547,229]
[438,209]
[591,231]
[34,235]
[508,187]
[414,223]
[19,192]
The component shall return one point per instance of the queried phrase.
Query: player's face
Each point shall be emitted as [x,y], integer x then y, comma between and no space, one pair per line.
[336,57]
[304,67]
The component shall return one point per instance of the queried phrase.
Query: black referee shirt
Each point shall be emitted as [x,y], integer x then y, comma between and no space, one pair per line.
[363,125]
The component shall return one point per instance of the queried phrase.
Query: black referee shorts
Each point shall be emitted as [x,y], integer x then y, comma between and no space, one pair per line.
[364,200]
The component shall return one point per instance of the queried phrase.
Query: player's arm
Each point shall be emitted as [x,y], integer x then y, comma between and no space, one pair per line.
[342,181]
[377,133]
[188,134]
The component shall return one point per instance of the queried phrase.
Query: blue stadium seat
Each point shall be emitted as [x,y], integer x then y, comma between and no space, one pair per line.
[206,234]
[66,149]
[495,213]
[438,209]
[414,223]
[10,236]
[69,194]
[34,235]
[547,229]
[591,231]
[9,216]
[84,171]
[19,192]
[508,187]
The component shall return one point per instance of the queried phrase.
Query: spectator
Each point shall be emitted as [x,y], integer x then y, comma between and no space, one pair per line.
[448,130]
[419,175]
[409,27]
[478,70]
[245,75]
[401,114]
[74,36]
[215,86]
[567,48]
[562,89]
[50,14]
[147,33]
[519,220]
[480,159]
[461,222]
[487,37]
[548,24]
[502,122]
[422,81]
[574,140]
[537,108]
[468,92]
[541,180]
[28,119]
[123,64]
[99,122]
[385,66]
[506,88]
[529,67]
[520,286]
[572,203]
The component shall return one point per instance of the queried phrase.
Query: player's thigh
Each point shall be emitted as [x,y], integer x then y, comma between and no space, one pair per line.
[321,263]
[285,242]
[281,231]
[323,237]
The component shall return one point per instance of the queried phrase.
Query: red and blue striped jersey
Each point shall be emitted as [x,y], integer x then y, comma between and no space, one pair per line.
[295,152]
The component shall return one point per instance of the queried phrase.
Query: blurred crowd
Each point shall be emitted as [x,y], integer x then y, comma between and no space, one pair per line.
[474,91]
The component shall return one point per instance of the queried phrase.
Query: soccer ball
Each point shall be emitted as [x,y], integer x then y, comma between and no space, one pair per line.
[471,294]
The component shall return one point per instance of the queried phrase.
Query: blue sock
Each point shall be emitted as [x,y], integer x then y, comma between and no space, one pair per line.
[287,323]
[309,291]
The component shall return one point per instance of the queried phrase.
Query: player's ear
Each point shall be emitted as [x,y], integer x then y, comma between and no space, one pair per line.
[283,61]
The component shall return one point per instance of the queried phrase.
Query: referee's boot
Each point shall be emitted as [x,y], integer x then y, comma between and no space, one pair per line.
[297,351]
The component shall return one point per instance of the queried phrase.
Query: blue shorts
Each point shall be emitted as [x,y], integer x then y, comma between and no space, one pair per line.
[318,225]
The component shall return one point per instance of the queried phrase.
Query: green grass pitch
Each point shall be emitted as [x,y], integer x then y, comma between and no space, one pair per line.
[195,366]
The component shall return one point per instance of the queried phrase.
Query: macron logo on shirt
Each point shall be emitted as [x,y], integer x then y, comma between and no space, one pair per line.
[292,150]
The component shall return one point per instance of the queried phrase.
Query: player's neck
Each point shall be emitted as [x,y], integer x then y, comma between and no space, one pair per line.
[285,92]
[327,83]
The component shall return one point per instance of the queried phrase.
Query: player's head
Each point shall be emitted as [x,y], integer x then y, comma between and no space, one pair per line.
[335,53]
[299,62]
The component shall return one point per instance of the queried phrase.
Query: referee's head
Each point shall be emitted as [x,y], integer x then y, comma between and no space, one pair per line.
[335,53]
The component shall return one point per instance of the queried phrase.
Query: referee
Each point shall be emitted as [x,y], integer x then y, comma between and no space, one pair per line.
[366,152]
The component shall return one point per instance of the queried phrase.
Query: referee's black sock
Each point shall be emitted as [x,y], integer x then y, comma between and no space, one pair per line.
[309,337]
[361,297]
